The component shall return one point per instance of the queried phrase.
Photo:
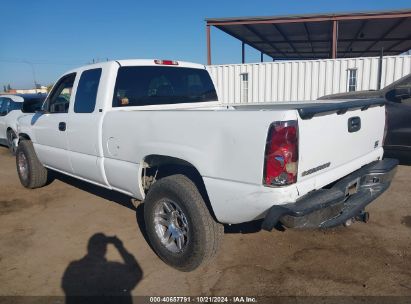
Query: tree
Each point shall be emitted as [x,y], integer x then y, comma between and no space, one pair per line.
[4,88]
[8,87]
[49,87]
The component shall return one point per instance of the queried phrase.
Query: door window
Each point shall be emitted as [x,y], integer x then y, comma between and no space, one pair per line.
[4,110]
[87,91]
[59,99]
[15,106]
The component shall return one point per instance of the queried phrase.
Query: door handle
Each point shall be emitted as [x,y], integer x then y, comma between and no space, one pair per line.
[354,124]
[62,126]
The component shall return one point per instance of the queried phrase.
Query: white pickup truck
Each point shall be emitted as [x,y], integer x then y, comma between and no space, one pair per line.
[154,130]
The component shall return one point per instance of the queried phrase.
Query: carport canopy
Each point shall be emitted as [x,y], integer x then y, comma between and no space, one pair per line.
[337,35]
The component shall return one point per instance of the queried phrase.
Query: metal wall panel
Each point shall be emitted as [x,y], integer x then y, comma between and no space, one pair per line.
[303,80]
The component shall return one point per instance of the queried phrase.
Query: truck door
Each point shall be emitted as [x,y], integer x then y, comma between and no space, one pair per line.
[50,127]
[83,131]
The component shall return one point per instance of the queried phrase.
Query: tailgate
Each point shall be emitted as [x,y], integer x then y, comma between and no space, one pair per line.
[330,137]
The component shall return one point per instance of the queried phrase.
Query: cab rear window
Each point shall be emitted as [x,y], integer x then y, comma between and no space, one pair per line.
[152,85]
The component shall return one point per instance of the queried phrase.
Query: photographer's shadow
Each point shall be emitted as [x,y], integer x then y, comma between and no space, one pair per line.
[94,276]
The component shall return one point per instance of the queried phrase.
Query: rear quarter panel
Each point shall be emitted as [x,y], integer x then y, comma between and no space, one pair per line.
[226,146]
[220,144]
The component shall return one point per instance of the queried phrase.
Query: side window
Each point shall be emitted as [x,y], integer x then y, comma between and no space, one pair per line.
[59,99]
[31,105]
[87,91]
[15,106]
[4,110]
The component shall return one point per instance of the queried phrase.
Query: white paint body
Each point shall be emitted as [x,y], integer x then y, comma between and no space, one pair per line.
[9,121]
[303,80]
[225,144]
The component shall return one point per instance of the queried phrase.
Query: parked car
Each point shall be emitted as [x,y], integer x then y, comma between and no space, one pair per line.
[11,108]
[154,130]
[398,96]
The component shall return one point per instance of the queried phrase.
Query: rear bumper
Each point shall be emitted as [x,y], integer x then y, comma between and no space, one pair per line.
[331,207]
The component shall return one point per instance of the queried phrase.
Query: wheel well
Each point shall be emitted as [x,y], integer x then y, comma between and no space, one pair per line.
[10,129]
[24,136]
[156,167]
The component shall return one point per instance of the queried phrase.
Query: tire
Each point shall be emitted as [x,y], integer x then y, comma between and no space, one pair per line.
[10,137]
[191,225]
[31,172]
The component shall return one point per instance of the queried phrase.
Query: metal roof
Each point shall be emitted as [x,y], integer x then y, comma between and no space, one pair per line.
[315,36]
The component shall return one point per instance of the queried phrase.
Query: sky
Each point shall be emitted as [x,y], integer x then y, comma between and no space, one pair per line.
[42,39]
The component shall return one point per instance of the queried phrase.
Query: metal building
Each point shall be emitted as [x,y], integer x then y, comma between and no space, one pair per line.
[319,36]
[313,55]
[304,79]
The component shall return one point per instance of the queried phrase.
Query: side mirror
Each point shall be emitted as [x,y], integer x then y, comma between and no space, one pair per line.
[398,94]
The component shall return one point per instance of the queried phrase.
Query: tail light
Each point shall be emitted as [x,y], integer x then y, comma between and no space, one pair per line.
[165,62]
[281,154]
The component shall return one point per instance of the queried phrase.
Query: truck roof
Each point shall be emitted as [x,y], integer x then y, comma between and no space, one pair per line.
[22,97]
[139,62]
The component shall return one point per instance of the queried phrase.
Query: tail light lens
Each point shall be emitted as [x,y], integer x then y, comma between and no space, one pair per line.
[281,154]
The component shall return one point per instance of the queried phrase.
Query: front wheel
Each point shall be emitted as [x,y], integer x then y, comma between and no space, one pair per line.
[31,172]
[179,226]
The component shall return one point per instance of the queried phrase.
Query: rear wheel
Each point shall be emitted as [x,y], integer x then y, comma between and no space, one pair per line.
[179,226]
[31,172]
[11,136]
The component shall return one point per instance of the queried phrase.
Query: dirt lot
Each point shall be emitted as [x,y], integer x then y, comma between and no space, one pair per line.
[43,231]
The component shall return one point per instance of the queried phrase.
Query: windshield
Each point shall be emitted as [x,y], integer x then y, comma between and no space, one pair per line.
[152,85]
[32,105]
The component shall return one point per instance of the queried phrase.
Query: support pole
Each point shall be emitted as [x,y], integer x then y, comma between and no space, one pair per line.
[334,40]
[208,31]
[380,69]
[262,57]
[242,52]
